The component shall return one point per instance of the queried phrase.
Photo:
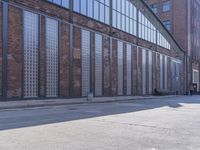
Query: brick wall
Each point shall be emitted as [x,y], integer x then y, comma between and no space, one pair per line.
[44,7]
[114,68]
[134,69]
[15,53]
[154,55]
[106,65]
[158,71]
[64,60]
[180,22]
[42,59]
[77,62]
[92,61]
[139,72]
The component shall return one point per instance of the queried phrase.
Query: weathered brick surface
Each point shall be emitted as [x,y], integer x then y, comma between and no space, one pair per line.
[154,55]
[44,7]
[158,71]
[169,79]
[125,71]
[15,53]
[42,62]
[106,65]
[134,70]
[64,60]
[146,44]
[1,46]
[92,61]
[114,68]
[90,23]
[184,27]
[139,72]
[147,72]
[77,62]
[124,36]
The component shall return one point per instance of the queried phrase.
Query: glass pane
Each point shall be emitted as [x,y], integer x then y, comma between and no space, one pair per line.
[98,64]
[129,68]
[120,67]
[57,2]
[85,58]
[107,16]
[90,8]
[96,10]
[114,19]
[77,5]
[31,48]
[83,7]
[51,57]
[102,12]
[144,80]
[65,3]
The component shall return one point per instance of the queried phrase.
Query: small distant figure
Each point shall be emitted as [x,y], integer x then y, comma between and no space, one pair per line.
[191,89]
[157,93]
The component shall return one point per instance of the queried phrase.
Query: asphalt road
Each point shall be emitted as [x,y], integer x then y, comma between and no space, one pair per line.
[161,124]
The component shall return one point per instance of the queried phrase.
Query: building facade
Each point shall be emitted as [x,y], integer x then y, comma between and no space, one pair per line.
[70,48]
[182,19]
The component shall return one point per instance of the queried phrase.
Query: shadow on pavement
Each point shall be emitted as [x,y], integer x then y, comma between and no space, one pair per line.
[19,118]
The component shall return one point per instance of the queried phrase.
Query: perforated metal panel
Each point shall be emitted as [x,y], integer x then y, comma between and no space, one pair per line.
[30,54]
[129,69]
[150,73]
[98,64]
[144,72]
[85,62]
[51,58]
[120,67]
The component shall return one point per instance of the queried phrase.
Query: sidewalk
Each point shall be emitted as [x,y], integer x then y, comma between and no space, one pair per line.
[57,102]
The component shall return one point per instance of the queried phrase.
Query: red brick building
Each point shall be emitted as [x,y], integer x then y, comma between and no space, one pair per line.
[182,19]
[70,48]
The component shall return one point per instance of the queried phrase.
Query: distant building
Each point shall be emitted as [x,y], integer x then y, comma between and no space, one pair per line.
[70,48]
[182,19]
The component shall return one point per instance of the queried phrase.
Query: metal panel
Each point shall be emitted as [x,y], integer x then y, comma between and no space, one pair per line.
[120,67]
[51,58]
[30,54]
[161,72]
[174,77]
[166,72]
[178,77]
[144,72]
[85,62]
[98,64]
[129,68]
[150,73]
[196,78]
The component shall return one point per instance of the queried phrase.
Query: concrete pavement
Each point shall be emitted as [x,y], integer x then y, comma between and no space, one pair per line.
[153,124]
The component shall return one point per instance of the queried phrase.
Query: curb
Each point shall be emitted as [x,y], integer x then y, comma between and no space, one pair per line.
[45,103]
